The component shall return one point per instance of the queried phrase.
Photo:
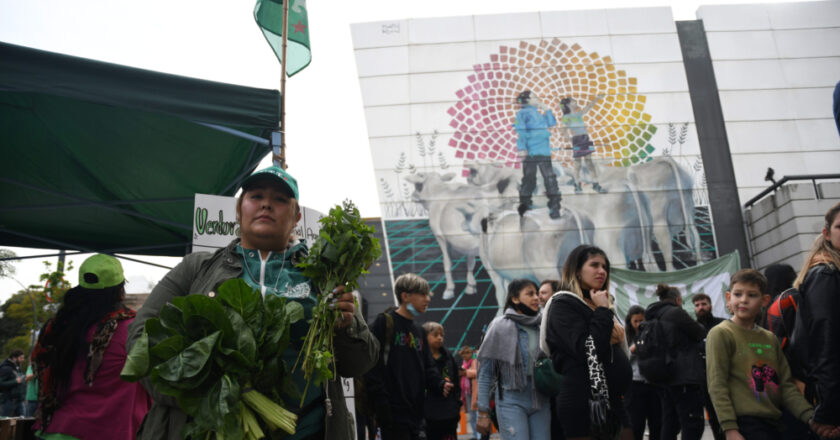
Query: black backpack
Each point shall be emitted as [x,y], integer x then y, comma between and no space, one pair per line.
[365,402]
[653,351]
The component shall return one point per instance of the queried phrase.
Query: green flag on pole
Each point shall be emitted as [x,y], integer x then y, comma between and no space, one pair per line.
[269,17]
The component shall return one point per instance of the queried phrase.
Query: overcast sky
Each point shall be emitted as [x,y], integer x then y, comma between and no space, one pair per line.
[218,40]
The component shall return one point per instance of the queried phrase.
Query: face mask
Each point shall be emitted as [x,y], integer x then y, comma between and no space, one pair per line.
[525,310]
[412,310]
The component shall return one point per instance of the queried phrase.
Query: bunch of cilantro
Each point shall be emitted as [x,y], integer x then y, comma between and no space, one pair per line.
[221,359]
[341,254]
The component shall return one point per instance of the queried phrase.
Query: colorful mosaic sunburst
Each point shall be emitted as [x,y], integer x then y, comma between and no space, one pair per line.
[486,109]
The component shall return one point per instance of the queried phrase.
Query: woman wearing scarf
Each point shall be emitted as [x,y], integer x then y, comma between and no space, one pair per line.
[78,359]
[816,336]
[523,413]
[587,347]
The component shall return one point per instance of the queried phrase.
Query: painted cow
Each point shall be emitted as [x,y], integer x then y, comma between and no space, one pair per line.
[661,187]
[532,246]
[450,207]
[621,217]
[669,188]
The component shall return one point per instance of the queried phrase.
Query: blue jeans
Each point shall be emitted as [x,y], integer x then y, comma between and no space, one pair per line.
[31,406]
[472,417]
[12,408]
[518,420]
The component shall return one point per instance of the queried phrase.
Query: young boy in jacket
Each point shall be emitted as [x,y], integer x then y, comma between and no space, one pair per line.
[397,385]
[748,376]
[442,413]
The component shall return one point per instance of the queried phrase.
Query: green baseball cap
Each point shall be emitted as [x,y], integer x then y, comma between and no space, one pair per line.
[100,272]
[275,173]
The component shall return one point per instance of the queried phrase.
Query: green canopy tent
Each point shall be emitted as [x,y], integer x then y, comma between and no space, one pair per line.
[107,158]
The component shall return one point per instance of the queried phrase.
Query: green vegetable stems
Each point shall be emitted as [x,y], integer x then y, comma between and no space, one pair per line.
[341,254]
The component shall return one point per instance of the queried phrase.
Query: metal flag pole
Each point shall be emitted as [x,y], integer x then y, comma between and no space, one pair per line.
[280,158]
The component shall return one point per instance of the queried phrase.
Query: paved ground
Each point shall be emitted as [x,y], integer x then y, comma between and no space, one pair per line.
[707,435]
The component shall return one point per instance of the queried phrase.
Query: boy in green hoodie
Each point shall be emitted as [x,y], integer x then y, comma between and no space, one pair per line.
[748,376]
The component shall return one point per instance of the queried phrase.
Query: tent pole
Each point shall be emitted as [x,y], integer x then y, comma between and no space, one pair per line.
[280,160]
[237,133]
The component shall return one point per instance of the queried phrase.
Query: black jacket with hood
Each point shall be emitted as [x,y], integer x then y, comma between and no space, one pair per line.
[9,386]
[685,340]
[436,406]
[818,322]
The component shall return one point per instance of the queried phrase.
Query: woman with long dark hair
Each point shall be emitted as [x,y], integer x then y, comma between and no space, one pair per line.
[588,348]
[79,356]
[818,324]
[642,400]
[507,357]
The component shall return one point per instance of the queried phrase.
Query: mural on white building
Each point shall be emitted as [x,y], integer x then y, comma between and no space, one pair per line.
[500,143]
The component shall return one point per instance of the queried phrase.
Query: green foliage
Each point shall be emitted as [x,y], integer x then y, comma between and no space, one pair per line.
[17,343]
[7,268]
[345,248]
[55,285]
[219,358]
[19,317]
[341,254]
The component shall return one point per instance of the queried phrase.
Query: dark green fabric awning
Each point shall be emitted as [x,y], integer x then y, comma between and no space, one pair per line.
[97,156]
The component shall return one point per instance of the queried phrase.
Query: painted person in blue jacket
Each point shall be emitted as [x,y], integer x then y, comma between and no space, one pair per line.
[533,121]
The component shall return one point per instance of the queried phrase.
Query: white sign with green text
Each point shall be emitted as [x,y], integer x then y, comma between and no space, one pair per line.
[215,225]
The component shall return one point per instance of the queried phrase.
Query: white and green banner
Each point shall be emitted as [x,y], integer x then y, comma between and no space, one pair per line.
[632,287]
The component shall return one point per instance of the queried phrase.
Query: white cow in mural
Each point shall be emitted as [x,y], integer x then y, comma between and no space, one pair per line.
[450,206]
[662,199]
[669,188]
[621,217]
[532,246]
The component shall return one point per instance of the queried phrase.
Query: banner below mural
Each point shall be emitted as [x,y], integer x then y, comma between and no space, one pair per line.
[633,287]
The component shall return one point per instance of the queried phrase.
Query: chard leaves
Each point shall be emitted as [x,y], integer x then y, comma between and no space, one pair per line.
[205,351]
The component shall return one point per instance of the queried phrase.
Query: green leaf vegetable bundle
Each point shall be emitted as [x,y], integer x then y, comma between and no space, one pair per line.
[341,254]
[221,359]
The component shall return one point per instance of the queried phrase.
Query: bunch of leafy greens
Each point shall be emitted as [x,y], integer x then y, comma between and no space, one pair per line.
[341,254]
[221,359]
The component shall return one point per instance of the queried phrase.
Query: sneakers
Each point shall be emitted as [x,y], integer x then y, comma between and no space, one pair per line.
[578,188]
[522,208]
[599,188]
[554,213]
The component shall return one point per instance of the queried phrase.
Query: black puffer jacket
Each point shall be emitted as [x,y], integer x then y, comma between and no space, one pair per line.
[685,341]
[819,320]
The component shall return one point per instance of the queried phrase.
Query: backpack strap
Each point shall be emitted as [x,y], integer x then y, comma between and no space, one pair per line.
[389,337]
[544,322]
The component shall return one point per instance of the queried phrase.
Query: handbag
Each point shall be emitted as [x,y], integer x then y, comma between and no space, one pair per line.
[546,378]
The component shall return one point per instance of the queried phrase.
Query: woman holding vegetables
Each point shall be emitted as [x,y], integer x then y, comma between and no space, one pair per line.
[265,257]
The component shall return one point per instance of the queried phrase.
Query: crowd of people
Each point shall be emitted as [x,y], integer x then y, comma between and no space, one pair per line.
[656,371]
